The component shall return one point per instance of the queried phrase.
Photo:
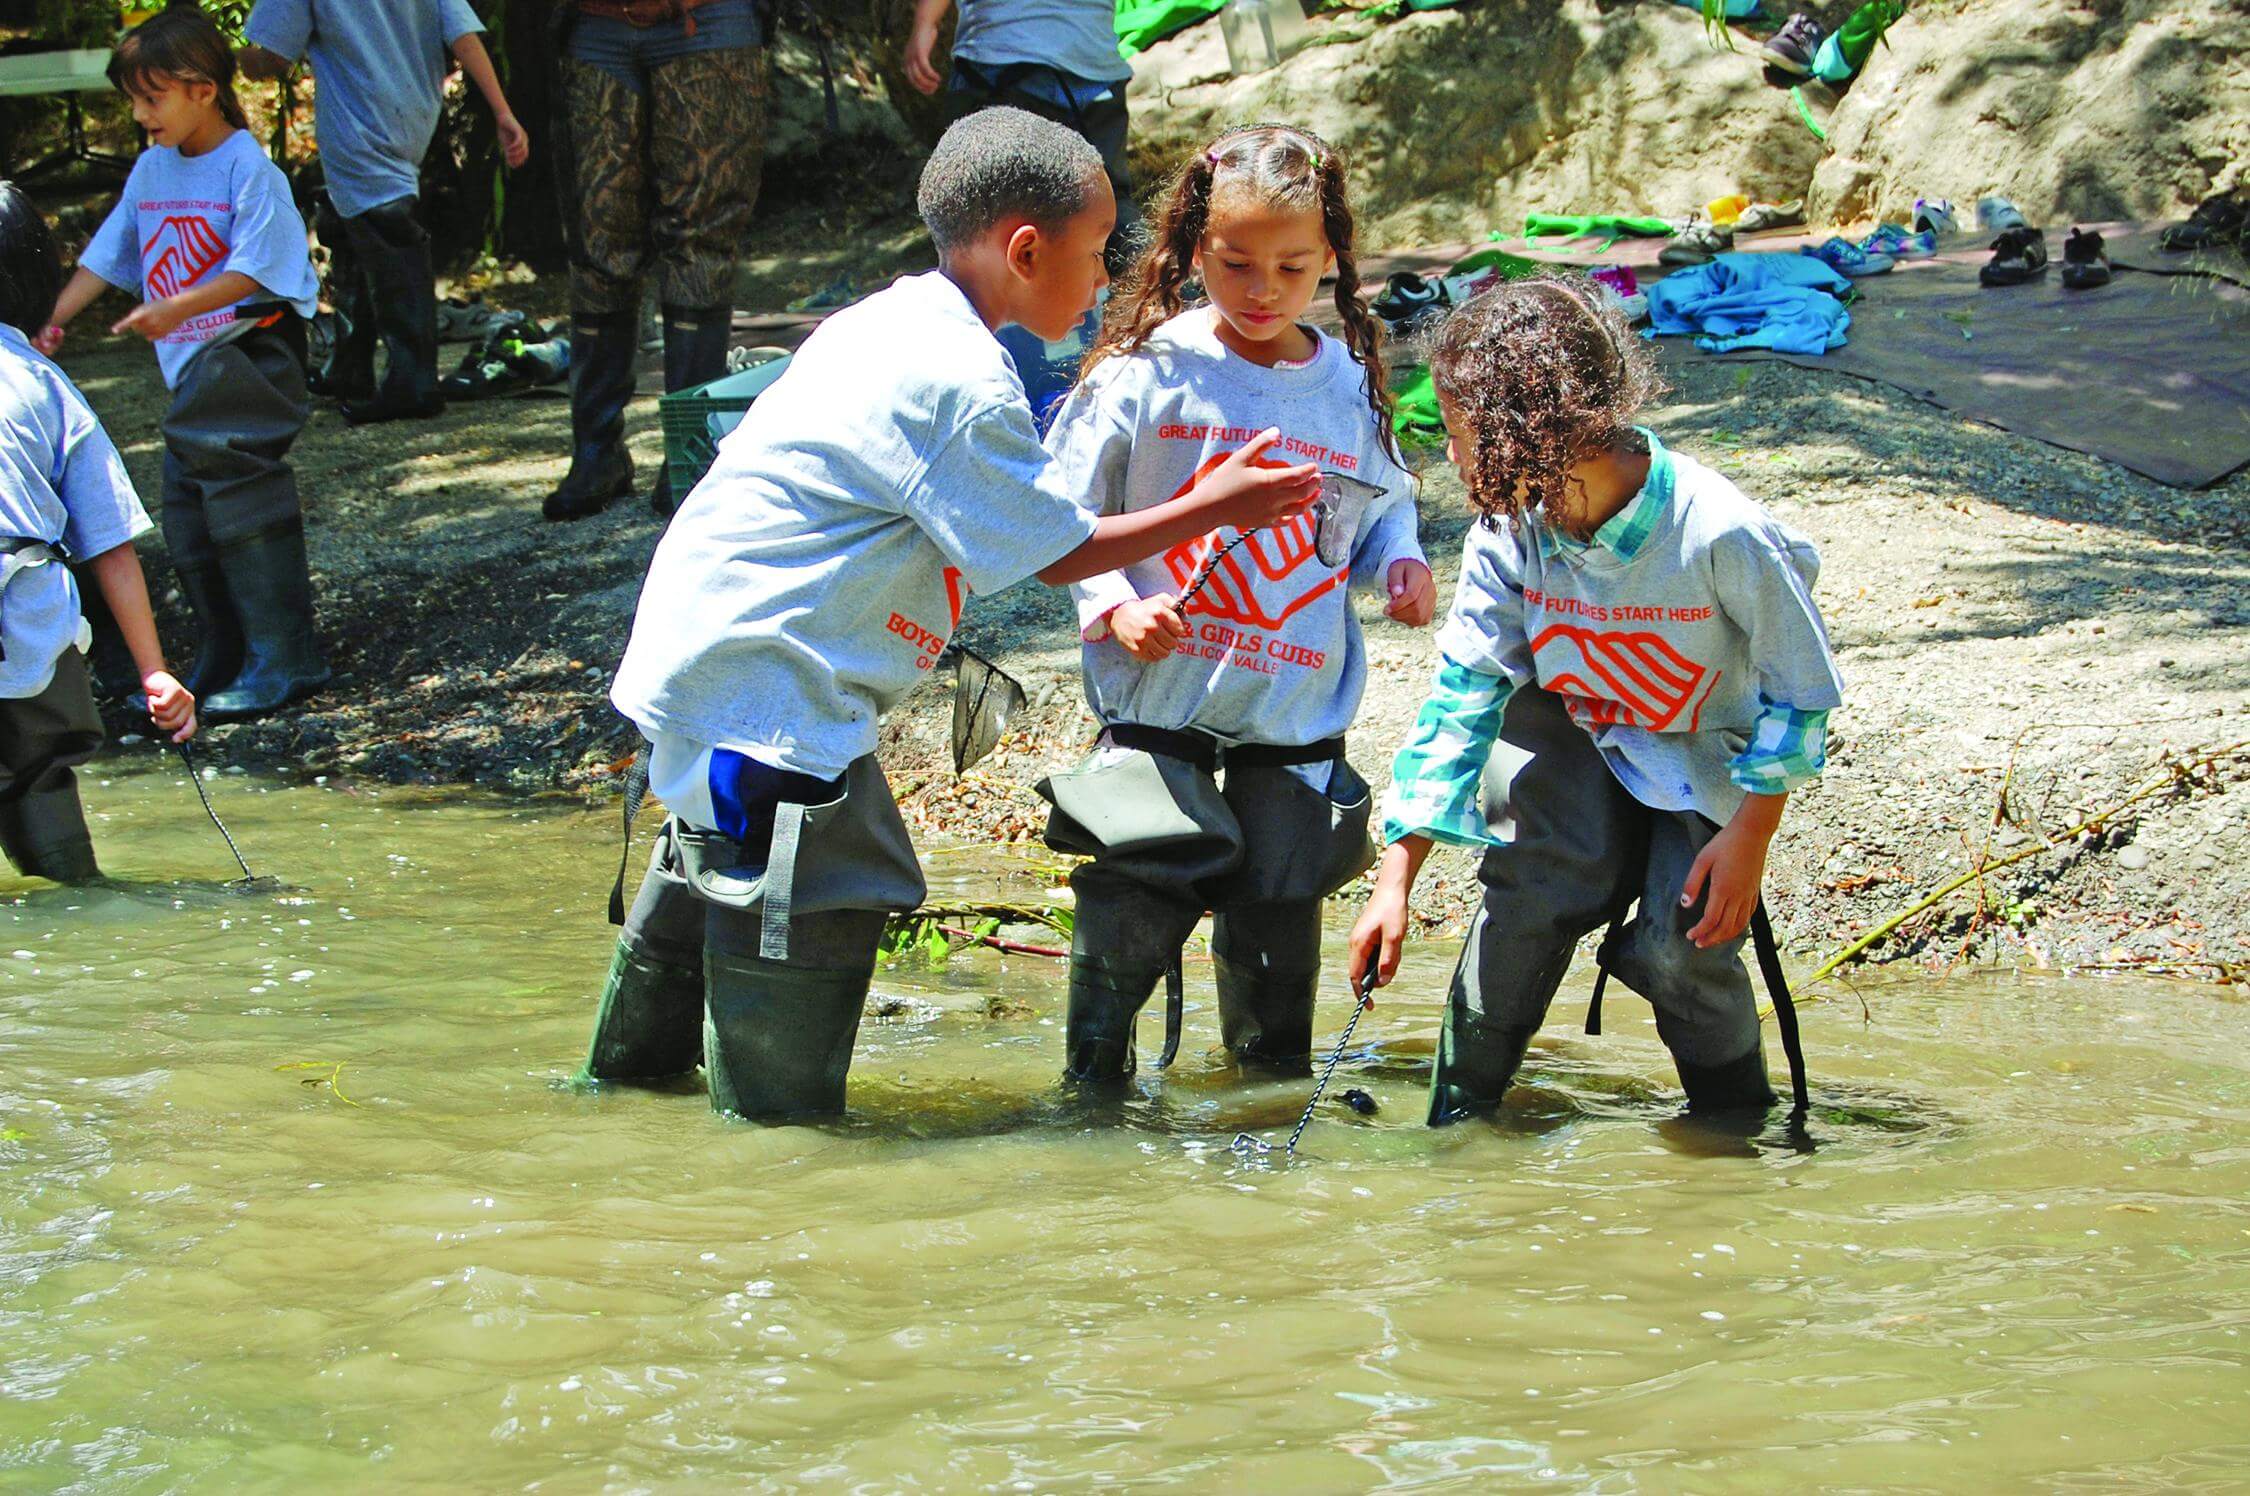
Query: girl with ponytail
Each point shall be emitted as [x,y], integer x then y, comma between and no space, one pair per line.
[1227,670]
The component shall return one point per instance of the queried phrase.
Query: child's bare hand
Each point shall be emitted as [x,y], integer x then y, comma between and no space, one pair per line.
[1726,875]
[515,140]
[1377,937]
[153,320]
[49,341]
[1149,628]
[171,706]
[1413,593]
[1249,496]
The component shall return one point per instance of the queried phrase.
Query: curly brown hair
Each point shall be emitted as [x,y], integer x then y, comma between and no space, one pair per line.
[1533,377]
[1272,166]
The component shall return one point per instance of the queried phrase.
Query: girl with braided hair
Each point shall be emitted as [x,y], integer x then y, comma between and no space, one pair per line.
[1226,670]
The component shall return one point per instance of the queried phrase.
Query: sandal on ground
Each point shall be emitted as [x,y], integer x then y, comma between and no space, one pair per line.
[2018,255]
[2216,223]
[2084,264]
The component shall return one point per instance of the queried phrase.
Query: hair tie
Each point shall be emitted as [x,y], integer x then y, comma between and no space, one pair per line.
[1212,156]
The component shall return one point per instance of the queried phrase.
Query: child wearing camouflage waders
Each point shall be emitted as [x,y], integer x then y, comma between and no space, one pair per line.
[811,580]
[1220,780]
[207,234]
[64,497]
[1635,671]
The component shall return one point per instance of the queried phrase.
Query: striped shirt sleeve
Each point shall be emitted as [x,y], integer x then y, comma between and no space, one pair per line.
[1787,750]
[1437,779]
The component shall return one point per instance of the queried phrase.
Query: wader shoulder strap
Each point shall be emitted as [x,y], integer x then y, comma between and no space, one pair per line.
[1603,955]
[1784,1007]
[1175,1006]
[636,791]
[780,888]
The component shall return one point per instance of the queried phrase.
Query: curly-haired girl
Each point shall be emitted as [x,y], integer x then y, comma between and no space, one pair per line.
[1254,678]
[1634,668]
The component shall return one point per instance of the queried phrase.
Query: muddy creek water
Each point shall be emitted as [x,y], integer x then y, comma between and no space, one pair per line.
[2017,1250]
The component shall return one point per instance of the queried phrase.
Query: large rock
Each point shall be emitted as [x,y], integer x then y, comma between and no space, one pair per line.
[2073,109]
[1458,121]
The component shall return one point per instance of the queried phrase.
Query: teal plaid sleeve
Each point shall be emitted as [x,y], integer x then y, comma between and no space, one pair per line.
[1437,778]
[1787,750]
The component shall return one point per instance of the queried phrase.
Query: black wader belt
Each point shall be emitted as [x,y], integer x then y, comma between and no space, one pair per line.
[636,791]
[1208,753]
[1769,968]
[1784,1006]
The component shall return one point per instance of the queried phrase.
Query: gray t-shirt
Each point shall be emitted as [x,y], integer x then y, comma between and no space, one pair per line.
[1275,653]
[810,580]
[1077,36]
[60,481]
[378,69]
[1666,658]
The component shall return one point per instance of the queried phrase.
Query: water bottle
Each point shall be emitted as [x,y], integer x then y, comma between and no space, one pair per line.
[1248,28]
[1286,19]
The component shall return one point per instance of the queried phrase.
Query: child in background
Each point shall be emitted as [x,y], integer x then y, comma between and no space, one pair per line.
[380,74]
[1257,679]
[63,496]
[207,235]
[811,580]
[1635,669]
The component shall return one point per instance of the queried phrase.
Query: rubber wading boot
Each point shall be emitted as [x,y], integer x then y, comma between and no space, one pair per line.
[650,1023]
[44,833]
[602,347]
[1737,1086]
[218,648]
[777,1037]
[695,352]
[405,283]
[1125,937]
[1266,1017]
[281,660]
[1465,1085]
[349,374]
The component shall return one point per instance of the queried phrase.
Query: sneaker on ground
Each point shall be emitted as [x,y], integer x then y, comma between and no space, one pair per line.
[2018,255]
[1761,216]
[1699,243]
[1996,215]
[1934,215]
[1848,259]
[1890,239]
[1791,48]
[2085,266]
[2216,223]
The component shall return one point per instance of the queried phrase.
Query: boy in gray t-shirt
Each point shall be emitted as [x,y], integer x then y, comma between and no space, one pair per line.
[812,579]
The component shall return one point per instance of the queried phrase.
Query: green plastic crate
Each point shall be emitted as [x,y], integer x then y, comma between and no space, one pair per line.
[695,419]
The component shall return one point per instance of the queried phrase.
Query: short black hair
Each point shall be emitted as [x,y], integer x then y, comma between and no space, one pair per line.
[30,266]
[1000,164]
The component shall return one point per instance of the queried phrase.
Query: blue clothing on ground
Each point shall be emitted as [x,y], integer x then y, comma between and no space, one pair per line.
[1078,37]
[379,69]
[1786,302]
[183,219]
[626,52]
[61,483]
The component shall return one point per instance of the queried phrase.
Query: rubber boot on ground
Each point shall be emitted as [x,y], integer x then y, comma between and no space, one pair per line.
[602,348]
[44,832]
[271,589]
[394,255]
[777,1035]
[218,633]
[650,1023]
[695,352]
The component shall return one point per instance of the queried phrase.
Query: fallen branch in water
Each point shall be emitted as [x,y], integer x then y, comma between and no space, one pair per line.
[2177,773]
[1011,947]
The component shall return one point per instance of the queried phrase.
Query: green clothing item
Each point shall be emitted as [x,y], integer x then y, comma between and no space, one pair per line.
[1843,54]
[1414,412]
[1140,22]
[1611,226]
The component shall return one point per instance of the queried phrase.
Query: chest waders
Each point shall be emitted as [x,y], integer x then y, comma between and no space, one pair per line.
[758,959]
[1578,850]
[1168,841]
[42,738]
